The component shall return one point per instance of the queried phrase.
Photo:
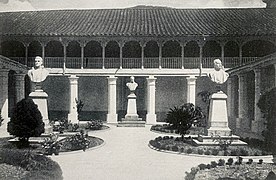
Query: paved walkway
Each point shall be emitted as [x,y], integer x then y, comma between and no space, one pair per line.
[126,156]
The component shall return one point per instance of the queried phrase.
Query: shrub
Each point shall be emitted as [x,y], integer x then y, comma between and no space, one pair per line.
[182,150]
[183,117]
[250,161]
[202,166]
[77,142]
[163,146]
[39,167]
[230,161]
[95,124]
[214,164]
[243,152]
[1,119]
[207,152]
[260,161]
[200,151]
[175,148]
[221,162]
[189,150]
[234,152]
[26,121]
[267,106]
[215,152]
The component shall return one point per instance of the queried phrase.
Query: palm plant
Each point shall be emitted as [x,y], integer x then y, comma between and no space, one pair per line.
[182,118]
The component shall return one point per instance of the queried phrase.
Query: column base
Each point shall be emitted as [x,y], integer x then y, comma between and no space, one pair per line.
[48,128]
[151,119]
[112,119]
[73,118]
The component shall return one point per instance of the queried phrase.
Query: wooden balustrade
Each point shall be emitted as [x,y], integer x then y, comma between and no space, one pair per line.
[128,63]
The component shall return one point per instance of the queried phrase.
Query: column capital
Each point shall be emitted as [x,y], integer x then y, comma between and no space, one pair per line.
[20,77]
[82,43]
[73,79]
[104,43]
[121,43]
[257,71]
[191,78]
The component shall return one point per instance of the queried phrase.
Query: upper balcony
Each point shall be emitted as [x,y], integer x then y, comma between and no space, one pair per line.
[135,63]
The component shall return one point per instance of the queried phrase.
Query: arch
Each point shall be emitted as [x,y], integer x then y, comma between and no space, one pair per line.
[34,49]
[11,92]
[73,49]
[93,49]
[231,54]
[132,49]
[112,49]
[171,49]
[151,49]
[211,49]
[14,50]
[54,49]
[258,48]
[231,49]
[191,49]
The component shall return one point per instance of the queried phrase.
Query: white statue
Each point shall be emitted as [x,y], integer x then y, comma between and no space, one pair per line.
[132,85]
[38,73]
[218,76]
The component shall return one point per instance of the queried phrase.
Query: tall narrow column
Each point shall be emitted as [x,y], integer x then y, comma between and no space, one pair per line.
[112,111]
[256,124]
[222,45]
[242,92]
[240,54]
[160,44]
[4,97]
[229,96]
[200,58]
[26,53]
[64,57]
[182,54]
[142,54]
[82,45]
[121,44]
[73,114]
[19,87]
[151,116]
[191,90]
[103,52]
[43,45]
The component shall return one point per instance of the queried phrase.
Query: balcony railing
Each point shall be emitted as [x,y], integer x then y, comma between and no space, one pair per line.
[129,63]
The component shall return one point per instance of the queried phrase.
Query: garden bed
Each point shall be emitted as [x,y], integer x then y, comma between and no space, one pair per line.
[233,170]
[177,145]
[168,129]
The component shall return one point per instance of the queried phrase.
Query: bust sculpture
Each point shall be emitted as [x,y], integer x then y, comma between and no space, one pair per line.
[132,85]
[38,73]
[218,76]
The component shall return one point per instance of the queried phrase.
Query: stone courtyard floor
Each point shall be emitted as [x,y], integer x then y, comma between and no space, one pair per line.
[126,155]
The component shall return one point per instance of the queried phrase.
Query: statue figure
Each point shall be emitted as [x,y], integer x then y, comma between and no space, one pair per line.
[132,85]
[218,76]
[38,73]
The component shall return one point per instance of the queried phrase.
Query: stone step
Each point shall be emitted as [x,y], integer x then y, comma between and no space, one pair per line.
[131,124]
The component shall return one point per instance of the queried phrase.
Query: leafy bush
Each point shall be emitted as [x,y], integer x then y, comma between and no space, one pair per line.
[95,124]
[221,162]
[39,167]
[51,145]
[230,161]
[215,152]
[189,150]
[182,118]
[77,142]
[175,148]
[202,166]
[1,119]
[26,121]
[200,151]
[267,105]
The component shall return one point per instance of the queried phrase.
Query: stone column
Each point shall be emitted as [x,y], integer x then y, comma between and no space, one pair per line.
[160,44]
[242,93]
[73,114]
[112,110]
[4,96]
[103,52]
[151,116]
[229,99]
[191,91]
[142,44]
[240,54]
[19,87]
[26,53]
[257,123]
[43,45]
[64,56]
[182,54]
[82,45]
[121,44]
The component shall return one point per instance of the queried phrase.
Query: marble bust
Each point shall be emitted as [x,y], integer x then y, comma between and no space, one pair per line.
[38,73]
[132,85]
[218,76]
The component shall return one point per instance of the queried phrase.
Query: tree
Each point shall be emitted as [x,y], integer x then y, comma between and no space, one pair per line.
[182,118]
[267,105]
[26,121]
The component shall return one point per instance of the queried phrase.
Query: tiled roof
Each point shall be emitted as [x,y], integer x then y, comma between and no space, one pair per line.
[140,22]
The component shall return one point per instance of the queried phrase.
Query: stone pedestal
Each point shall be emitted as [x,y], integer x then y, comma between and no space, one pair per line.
[40,99]
[151,116]
[73,113]
[218,117]
[131,118]
[112,110]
